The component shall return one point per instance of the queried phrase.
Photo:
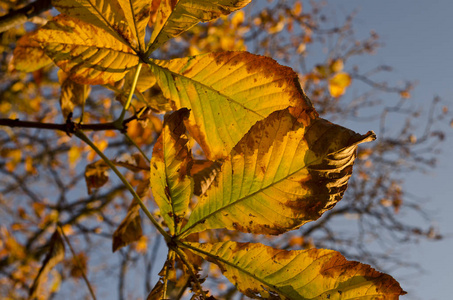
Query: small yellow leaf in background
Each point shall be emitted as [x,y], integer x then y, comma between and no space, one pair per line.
[237,18]
[338,84]
[405,94]
[297,9]
[336,66]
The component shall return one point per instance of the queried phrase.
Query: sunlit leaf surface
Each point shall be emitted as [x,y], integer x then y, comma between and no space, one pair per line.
[124,19]
[176,16]
[227,93]
[29,55]
[281,175]
[170,165]
[263,272]
[88,54]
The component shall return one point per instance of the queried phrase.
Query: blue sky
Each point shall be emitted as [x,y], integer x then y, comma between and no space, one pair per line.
[418,44]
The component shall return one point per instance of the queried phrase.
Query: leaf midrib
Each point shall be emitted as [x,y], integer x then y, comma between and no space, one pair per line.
[185,232]
[275,288]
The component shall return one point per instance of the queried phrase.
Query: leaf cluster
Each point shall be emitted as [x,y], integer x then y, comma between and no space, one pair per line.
[270,164]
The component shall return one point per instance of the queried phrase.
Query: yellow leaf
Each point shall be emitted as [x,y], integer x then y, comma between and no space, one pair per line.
[72,93]
[170,165]
[176,16]
[338,84]
[227,92]
[88,54]
[146,79]
[125,20]
[237,18]
[260,271]
[28,55]
[336,66]
[281,175]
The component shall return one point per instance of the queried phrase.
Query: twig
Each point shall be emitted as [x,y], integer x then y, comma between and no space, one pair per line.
[68,127]
[77,262]
[22,15]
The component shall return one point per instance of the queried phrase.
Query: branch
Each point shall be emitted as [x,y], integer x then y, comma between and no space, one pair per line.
[22,15]
[69,127]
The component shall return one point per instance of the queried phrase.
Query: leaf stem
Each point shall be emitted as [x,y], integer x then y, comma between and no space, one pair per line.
[84,138]
[191,269]
[136,146]
[131,93]
[77,262]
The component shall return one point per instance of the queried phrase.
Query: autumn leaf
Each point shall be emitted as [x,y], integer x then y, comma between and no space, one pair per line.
[130,229]
[53,257]
[72,93]
[126,20]
[176,16]
[281,175]
[145,80]
[260,271]
[170,166]
[96,175]
[88,54]
[203,173]
[29,55]
[338,84]
[227,92]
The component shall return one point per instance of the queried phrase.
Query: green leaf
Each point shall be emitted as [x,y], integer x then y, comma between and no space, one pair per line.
[126,20]
[227,93]
[88,54]
[176,16]
[281,175]
[260,271]
[170,166]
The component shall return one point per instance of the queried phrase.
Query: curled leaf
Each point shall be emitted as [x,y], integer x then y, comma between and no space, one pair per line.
[281,175]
